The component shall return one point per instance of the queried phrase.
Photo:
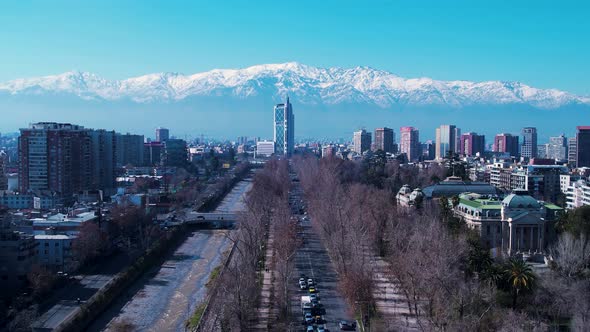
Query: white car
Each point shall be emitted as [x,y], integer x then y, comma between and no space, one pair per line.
[302,284]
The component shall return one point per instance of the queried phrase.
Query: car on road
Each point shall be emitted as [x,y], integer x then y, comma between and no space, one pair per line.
[347,325]
[314,297]
[309,328]
[312,289]
[308,318]
[302,284]
[310,282]
[321,328]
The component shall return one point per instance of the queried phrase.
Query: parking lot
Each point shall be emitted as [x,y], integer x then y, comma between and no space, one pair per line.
[312,261]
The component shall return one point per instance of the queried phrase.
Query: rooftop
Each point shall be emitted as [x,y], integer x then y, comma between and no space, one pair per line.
[52,237]
[480,202]
[455,186]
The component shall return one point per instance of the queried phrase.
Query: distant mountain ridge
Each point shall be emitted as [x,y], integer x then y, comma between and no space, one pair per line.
[307,84]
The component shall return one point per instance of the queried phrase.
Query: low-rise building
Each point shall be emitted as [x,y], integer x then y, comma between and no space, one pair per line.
[68,224]
[39,199]
[54,251]
[516,224]
[17,256]
[265,148]
[578,194]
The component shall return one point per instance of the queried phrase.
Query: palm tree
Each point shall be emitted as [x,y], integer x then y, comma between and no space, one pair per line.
[520,277]
[493,274]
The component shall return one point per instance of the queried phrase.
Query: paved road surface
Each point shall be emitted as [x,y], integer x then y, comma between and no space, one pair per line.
[63,302]
[312,260]
[165,297]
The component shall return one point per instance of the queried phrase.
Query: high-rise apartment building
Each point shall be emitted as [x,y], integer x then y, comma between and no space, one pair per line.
[175,153]
[457,145]
[557,148]
[506,143]
[529,142]
[162,134]
[543,151]
[409,143]
[471,144]
[384,139]
[56,157]
[428,150]
[583,146]
[129,149]
[152,153]
[446,140]
[362,141]
[572,151]
[284,129]
[103,158]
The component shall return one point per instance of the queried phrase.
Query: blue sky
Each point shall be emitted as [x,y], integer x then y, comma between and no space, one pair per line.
[542,43]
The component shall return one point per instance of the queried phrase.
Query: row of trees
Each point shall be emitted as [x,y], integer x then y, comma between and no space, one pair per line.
[349,217]
[449,281]
[239,287]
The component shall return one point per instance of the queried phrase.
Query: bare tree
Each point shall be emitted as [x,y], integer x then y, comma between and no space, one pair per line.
[571,254]
[90,243]
[284,228]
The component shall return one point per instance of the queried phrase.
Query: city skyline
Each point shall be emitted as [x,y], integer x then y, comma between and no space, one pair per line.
[155,177]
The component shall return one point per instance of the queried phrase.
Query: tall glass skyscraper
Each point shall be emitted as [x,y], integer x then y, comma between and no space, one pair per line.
[284,129]
[446,140]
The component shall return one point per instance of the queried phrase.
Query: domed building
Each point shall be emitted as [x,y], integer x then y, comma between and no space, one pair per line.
[516,224]
[408,197]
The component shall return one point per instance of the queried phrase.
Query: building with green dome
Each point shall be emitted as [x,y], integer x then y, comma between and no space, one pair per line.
[517,223]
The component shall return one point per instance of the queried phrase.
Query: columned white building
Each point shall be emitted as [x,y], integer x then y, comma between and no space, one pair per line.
[516,224]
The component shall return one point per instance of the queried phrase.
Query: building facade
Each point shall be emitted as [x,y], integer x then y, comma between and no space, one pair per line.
[506,143]
[129,149]
[409,143]
[446,140]
[162,134]
[583,146]
[578,194]
[103,159]
[284,129]
[471,144]
[384,139]
[516,224]
[557,148]
[529,142]
[362,141]
[56,157]
[17,256]
[174,153]
[265,148]
[54,251]
[152,153]
[572,151]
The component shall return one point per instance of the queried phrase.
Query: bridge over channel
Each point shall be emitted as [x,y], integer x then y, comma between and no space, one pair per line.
[205,219]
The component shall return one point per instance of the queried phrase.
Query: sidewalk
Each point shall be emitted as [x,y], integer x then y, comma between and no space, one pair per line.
[390,301]
[266,307]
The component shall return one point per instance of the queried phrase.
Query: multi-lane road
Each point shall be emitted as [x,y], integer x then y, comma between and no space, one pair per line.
[313,261]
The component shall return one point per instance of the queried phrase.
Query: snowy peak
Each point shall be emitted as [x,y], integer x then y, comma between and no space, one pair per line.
[308,84]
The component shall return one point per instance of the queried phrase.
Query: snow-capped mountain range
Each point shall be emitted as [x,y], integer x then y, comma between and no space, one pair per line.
[309,85]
